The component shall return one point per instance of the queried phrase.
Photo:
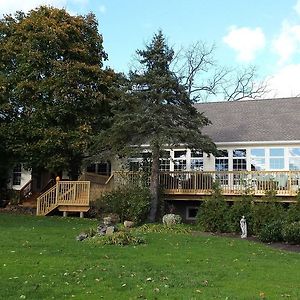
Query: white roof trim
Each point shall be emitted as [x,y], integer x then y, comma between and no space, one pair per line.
[258,143]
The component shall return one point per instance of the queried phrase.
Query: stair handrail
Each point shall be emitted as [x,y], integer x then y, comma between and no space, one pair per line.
[26,190]
[42,198]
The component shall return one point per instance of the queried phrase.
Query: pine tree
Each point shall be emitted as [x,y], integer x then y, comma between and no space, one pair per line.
[157,111]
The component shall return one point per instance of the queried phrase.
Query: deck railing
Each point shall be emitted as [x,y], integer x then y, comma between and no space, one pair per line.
[64,193]
[284,183]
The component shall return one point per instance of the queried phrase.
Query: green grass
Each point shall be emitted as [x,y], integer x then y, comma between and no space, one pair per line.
[40,259]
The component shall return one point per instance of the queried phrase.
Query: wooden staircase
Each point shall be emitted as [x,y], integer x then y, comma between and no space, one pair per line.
[66,196]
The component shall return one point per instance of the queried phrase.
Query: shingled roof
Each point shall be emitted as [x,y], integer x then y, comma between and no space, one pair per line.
[253,120]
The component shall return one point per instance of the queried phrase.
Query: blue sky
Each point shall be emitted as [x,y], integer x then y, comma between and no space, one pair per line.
[264,33]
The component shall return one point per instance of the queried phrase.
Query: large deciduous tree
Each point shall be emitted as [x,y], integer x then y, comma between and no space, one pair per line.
[54,91]
[157,111]
[197,68]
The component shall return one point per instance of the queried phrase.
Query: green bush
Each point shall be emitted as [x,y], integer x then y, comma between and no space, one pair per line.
[272,232]
[237,210]
[120,238]
[213,213]
[160,228]
[266,213]
[130,202]
[291,233]
[293,213]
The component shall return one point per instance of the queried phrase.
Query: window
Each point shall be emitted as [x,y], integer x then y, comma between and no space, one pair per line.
[164,161]
[134,166]
[276,158]
[191,212]
[222,161]
[221,165]
[91,168]
[196,160]
[179,160]
[17,174]
[239,160]
[258,161]
[239,164]
[294,158]
[100,168]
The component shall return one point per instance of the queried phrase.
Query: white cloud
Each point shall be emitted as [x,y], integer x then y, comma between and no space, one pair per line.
[287,43]
[285,82]
[297,7]
[245,41]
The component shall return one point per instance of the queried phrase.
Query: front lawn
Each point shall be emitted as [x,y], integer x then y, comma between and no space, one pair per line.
[40,259]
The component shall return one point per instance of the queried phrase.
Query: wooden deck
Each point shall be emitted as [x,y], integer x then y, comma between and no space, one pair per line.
[65,196]
[232,183]
[74,196]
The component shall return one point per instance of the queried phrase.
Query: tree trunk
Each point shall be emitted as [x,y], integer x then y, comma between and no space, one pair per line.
[154,183]
[74,167]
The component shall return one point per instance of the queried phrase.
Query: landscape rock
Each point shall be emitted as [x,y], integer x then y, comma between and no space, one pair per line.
[128,224]
[107,221]
[110,230]
[171,219]
[82,236]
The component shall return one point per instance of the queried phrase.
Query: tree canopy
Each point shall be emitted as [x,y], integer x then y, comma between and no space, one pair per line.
[54,91]
[157,111]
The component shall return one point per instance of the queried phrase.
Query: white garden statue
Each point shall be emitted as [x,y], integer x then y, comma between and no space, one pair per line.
[243,225]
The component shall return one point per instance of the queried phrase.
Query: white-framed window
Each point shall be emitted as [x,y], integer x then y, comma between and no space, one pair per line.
[221,165]
[196,160]
[191,213]
[294,158]
[164,161]
[16,176]
[258,159]
[179,160]
[239,160]
[276,159]
[239,163]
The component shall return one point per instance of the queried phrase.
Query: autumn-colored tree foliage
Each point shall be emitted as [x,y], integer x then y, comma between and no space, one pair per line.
[54,91]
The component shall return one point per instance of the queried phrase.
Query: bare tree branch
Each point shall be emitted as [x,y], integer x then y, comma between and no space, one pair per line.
[203,78]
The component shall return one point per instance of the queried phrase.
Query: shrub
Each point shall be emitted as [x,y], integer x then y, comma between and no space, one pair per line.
[130,202]
[237,210]
[159,228]
[120,238]
[213,213]
[291,233]
[266,213]
[293,213]
[272,232]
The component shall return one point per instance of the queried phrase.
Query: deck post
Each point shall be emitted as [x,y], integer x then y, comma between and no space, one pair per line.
[65,214]
[81,214]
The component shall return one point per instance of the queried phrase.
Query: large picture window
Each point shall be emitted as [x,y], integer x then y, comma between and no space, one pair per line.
[276,158]
[258,159]
[294,158]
